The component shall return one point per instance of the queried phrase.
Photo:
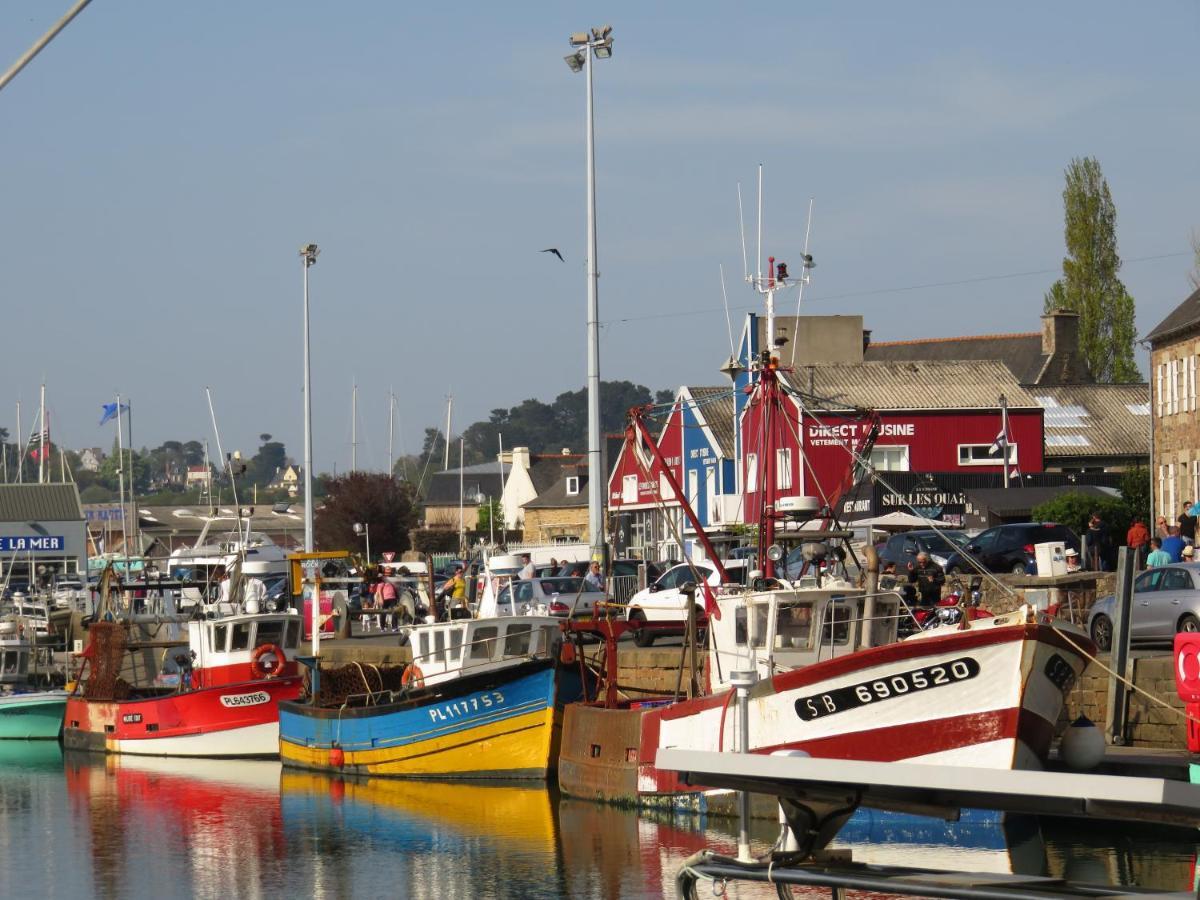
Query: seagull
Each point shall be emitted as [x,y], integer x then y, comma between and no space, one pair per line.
[553,250]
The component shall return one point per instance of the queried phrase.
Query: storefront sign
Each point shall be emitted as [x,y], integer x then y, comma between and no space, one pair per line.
[32,543]
[851,432]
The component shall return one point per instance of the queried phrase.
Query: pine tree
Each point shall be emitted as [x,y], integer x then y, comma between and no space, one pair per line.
[1090,285]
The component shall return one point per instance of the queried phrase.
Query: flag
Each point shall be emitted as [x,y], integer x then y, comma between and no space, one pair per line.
[710,602]
[1000,444]
[110,411]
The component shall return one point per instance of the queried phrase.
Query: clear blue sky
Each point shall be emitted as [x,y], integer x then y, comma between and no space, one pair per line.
[163,162]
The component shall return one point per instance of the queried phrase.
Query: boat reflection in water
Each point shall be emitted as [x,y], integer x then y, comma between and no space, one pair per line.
[422,839]
[165,827]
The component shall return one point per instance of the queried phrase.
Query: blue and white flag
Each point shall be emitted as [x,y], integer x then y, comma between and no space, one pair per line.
[999,445]
[110,411]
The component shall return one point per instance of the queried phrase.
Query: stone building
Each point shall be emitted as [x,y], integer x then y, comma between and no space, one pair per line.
[1175,449]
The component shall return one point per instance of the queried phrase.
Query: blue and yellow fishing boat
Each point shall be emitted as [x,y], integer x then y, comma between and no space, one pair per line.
[482,699]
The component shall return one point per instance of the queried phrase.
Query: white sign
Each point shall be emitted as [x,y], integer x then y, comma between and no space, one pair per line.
[837,435]
[310,567]
[233,701]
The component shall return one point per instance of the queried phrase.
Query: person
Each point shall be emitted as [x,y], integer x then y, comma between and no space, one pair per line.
[256,593]
[1187,525]
[223,590]
[1160,527]
[454,591]
[928,578]
[527,571]
[1072,560]
[594,580]
[564,570]
[553,567]
[385,599]
[1173,545]
[1158,556]
[369,603]
[1138,540]
[1098,544]
[1189,553]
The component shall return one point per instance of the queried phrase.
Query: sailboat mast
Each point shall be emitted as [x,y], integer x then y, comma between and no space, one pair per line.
[20,447]
[446,457]
[391,431]
[42,436]
[121,488]
[354,428]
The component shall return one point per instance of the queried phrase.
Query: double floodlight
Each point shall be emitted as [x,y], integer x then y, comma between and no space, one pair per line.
[600,40]
[310,253]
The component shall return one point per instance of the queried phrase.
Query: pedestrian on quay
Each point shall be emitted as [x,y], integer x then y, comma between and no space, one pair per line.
[527,571]
[454,592]
[1173,545]
[1187,525]
[386,599]
[1138,540]
[1158,556]
[927,577]
[1160,527]
[593,579]
[1099,545]
[1189,553]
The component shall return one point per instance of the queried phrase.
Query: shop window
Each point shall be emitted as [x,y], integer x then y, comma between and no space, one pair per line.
[985,455]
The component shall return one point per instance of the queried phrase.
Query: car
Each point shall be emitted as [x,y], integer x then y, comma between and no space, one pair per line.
[561,596]
[901,549]
[664,600]
[1166,600]
[1008,548]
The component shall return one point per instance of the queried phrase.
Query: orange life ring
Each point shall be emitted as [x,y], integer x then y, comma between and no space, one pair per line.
[412,676]
[261,669]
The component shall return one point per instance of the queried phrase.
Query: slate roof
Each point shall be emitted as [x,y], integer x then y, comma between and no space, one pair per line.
[483,480]
[1185,315]
[915,385]
[715,405]
[1021,353]
[555,495]
[546,469]
[40,503]
[1095,419]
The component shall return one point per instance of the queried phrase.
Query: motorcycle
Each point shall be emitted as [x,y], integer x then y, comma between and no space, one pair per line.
[949,610]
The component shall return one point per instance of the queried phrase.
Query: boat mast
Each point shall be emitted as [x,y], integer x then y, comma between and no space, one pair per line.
[354,428]
[121,488]
[20,447]
[446,454]
[391,431]
[42,437]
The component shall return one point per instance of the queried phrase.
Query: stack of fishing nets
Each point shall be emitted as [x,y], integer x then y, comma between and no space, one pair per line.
[106,655]
[351,684]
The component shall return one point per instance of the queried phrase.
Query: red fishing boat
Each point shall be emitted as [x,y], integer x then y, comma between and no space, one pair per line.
[222,700]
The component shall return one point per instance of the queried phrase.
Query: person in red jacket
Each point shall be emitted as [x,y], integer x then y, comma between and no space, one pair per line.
[1138,539]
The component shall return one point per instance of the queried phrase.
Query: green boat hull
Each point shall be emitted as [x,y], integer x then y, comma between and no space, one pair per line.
[36,716]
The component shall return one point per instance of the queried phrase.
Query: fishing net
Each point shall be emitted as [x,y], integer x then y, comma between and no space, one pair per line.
[106,653]
[359,685]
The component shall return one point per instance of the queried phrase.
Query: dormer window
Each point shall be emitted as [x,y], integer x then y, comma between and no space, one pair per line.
[572,485]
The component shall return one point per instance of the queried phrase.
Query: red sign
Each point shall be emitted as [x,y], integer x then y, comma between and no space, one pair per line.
[389,555]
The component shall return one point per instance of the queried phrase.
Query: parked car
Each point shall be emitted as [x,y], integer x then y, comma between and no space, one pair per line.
[664,601]
[1166,600]
[69,593]
[901,549]
[562,596]
[1009,548]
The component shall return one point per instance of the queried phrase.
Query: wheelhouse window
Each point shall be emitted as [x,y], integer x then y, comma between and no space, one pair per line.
[293,634]
[836,629]
[270,632]
[439,646]
[516,640]
[793,626]
[220,638]
[455,651]
[483,642]
[240,636]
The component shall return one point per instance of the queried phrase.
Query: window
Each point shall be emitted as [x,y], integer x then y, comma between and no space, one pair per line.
[629,492]
[293,634]
[837,623]
[456,637]
[269,632]
[711,501]
[439,646]
[240,638]
[1171,505]
[1175,580]
[751,473]
[572,485]
[1158,389]
[516,640]
[985,455]
[783,468]
[483,642]
[693,489]
[220,638]
[1148,581]
[664,488]
[889,459]
[793,626]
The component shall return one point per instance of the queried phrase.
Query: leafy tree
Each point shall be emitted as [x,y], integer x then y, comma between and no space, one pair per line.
[1135,491]
[1075,510]
[490,519]
[1090,285]
[383,503]
[270,458]
[664,396]
[193,453]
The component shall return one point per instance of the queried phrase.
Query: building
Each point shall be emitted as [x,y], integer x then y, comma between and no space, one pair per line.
[529,476]
[559,513]
[91,458]
[455,495]
[290,478]
[199,477]
[1175,464]
[43,533]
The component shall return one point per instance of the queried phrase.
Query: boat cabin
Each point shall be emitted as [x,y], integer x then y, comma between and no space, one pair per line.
[770,631]
[14,654]
[447,650]
[246,647]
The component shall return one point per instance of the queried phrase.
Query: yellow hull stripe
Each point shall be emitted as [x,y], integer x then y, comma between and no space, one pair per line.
[520,743]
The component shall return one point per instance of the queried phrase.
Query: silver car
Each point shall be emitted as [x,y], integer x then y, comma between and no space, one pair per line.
[564,597]
[1166,600]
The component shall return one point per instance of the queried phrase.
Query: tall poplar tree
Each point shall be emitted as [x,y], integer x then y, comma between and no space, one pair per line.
[1090,285]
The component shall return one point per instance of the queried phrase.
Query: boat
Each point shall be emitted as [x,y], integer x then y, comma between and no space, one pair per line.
[254,554]
[820,658]
[27,711]
[218,696]
[482,699]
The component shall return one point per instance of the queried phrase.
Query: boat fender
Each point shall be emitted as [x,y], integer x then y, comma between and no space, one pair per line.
[260,667]
[337,757]
[566,653]
[412,677]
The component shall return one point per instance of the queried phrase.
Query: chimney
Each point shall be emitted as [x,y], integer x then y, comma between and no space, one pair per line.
[520,458]
[1060,347]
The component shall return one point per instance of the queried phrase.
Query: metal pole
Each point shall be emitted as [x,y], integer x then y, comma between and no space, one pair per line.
[1119,660]
[354,428]
[1004,435]
[45,39]
[308,256]
[391,432]
[367,531]
[742,682]
[42,437]
[446,453]
[595,465]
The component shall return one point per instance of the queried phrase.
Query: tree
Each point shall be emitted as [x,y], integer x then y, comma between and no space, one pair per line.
[385,504]
[1075,510]
[1090,285]
[490,519]
[1135,491]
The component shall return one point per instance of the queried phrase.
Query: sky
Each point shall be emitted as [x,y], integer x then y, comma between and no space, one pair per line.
[162,163]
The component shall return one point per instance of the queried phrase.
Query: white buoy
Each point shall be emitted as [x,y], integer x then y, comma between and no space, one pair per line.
[1082,745]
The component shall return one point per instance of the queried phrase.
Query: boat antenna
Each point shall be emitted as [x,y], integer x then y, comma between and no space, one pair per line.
[758,251]
[728,323]
[243,535]
[742,230]
[806,267]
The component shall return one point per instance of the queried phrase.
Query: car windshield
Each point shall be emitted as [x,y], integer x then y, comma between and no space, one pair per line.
[946,542]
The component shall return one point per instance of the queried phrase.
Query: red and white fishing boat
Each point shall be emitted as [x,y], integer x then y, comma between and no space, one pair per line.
[826,673]
[223,702]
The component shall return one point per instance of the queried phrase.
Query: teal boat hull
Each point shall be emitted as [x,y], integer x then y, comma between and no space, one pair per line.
[33,716]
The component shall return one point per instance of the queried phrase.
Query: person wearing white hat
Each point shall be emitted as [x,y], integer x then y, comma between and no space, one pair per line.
[1072,560]
[1189,553]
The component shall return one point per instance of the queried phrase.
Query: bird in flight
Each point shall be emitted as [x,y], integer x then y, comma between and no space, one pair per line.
[553,250]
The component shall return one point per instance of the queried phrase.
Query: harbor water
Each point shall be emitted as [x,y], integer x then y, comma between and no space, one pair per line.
[88,826]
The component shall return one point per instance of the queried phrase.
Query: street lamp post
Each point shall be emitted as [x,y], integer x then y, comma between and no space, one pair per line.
[308,256]
[598,43]
[364,528]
